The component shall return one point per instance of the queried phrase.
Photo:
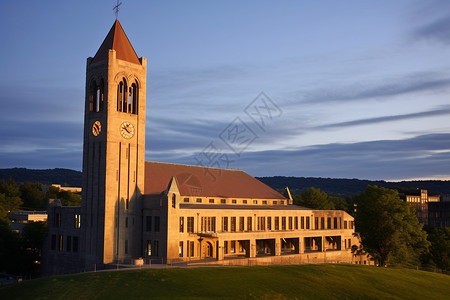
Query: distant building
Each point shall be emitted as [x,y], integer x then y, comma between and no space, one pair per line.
[19,218]
[439,214]
[138,212]
[67,188]
[421,203]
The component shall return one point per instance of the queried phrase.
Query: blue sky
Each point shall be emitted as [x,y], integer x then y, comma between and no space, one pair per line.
[355,89]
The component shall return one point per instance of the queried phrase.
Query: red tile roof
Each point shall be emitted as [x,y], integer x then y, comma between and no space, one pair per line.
[206,182]
[117,40]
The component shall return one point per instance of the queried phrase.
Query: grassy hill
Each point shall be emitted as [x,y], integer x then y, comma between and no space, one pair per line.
[272,282]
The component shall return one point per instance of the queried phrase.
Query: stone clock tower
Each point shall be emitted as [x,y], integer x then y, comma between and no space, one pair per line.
[113,152]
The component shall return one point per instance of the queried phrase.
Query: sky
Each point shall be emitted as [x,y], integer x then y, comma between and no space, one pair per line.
[338,89]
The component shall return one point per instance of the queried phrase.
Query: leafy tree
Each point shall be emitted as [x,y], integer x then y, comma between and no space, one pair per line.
[314,198]
[440,247]
[389,227]
[32,195]
[9,198]
[10,250]
[69,199]
[33,236]
[52,192]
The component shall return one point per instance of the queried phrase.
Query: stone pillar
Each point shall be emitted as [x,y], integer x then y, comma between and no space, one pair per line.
[301,245]
[277,247]
[252,248]
[220,249]
[323,243]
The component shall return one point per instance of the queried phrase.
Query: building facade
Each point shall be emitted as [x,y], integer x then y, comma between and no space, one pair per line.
[137,212]
[421,202]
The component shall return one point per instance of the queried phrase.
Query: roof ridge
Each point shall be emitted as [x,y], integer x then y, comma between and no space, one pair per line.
[234,170]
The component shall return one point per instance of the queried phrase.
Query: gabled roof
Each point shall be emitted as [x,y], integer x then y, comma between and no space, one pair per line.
[205,182]
[117,40]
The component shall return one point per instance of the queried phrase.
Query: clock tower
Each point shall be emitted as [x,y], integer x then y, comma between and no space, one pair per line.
[113,152]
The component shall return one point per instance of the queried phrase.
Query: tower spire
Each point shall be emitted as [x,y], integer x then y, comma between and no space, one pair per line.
[116,8]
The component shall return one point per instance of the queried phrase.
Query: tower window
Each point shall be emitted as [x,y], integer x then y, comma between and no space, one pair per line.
[96,96]
[127,97]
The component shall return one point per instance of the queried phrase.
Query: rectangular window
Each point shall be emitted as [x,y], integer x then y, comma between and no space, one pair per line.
[157,223]
[60,242]
[249,224]
[275,202]
[233,224]
[77,224]
[264,202]
[296,223]
[302,222]
[244,201]
[307,222]
[223,201]
[180,249]
[75,244]
[69,244]
[241,223]
[322,223]
[269,223]
[335,223]
[148,223]
[149,248]
[186,200]
[53,241]
[208,224]
[255,201]
[57,220]
[277,223]
[181,224]
[261,223]
[345,224]
[211,200]
[199,200]
[225,247]
[190,224]
[126,246]
[225,224]
[283,223]
[290,223]
[316,223]
[155,248]
[234,201]
[328,223]
[191,248]
[352,224]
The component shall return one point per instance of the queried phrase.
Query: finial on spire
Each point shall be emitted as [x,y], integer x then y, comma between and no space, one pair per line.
[116,8]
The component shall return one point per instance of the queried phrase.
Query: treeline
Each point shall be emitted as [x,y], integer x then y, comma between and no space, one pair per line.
[64,177]
[351,187]
[31,196]
[388,226]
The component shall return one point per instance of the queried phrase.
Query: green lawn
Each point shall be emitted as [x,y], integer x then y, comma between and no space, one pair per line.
[272,282]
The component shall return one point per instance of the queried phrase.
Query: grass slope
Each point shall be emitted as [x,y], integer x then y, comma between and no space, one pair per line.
[273,282]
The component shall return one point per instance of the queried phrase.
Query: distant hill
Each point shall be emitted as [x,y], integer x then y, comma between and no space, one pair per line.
[350,187]
[49,176]
[333,186]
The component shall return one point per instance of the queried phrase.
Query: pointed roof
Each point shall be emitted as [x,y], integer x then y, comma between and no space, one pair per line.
[117,40]
[205,182]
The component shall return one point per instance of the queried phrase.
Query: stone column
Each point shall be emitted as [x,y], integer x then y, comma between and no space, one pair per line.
[252,248]
[220,249]
[277,247]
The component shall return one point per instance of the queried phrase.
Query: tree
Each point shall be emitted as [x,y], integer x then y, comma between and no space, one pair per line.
[389,227]
[9,198]
[69,199]
[440,247]
[32,195]
[10,250]
[314,198]
[33,236]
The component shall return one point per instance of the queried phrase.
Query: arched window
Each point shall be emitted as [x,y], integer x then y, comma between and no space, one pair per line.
[122,96]
[133,98]
[96,94]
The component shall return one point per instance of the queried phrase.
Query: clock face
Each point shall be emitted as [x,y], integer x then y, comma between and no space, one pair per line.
[96,128]
[127,130]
